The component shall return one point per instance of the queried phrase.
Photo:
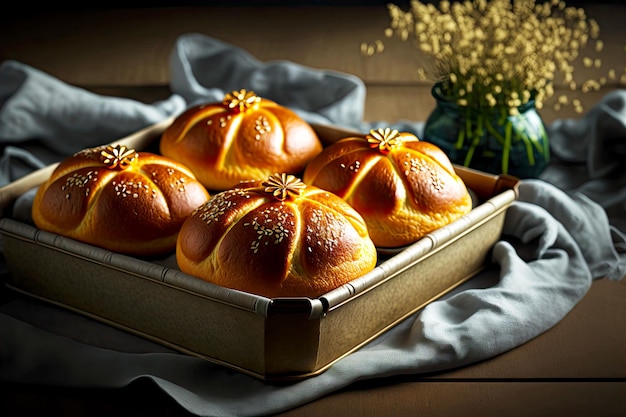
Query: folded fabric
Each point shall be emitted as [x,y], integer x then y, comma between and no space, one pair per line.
[595,138]
[554,244]
[51,119]
[203,69]
[471,325]
[575,213]
[589,154]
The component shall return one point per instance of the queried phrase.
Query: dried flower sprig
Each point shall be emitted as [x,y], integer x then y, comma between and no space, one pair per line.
[118,156]
[500,52]
[283,186]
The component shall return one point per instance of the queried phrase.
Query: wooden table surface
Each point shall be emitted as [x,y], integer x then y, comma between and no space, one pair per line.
[578,368]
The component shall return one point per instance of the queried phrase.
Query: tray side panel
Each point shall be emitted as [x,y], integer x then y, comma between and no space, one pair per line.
[180,318]
[352,324]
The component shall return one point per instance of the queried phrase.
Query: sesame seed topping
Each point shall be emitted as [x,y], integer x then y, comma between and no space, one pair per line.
[415,165]
[213,209]
[269,226]
[81,182]
[131,188]
[354,167]
[262,126]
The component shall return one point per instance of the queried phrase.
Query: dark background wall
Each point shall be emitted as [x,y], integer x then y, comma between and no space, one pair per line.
[25,8]
[64,4]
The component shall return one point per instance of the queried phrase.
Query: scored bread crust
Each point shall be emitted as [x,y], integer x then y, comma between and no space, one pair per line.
[118,199]
[244,137]
[403,187]
[248,238]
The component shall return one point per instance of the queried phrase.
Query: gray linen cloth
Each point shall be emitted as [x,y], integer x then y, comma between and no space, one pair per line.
[565,231]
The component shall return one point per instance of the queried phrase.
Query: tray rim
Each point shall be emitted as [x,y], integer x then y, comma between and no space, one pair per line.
[502,184]
[315,307]
[501,190]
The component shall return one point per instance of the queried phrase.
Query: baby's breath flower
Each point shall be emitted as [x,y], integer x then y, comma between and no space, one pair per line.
[499,52]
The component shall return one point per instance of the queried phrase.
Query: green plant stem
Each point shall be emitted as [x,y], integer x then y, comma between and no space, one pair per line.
[472,148]
[546,143]
[528,145]
[479,124]
[468,122]
[506,150]
[525,133]
[541,147]
[460,139]
[495,133]
[504,128]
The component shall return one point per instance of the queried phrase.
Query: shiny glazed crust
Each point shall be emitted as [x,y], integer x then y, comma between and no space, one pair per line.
[403,187]
[242,138]
[250,239]
[118,199]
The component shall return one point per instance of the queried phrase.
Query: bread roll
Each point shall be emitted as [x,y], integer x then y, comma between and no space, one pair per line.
[118,199]
[241,138]
[403,187]
[276,238]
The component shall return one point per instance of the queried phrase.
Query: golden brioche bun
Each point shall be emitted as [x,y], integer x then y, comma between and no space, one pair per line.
[118,199]
[241,138]
[403,188]
[276,238]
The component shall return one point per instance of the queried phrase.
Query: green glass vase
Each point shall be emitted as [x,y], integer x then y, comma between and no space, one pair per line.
[489,139]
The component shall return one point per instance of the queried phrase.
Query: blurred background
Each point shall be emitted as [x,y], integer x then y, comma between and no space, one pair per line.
[122,48]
